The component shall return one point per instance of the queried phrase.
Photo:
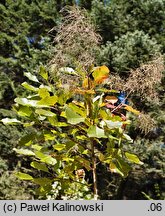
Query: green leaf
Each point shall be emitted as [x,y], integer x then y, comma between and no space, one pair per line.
[94,131]
[43,190]
[29,124]
[100,156]
[103,114]
[43,72]
[85,152]
[133,158]
[82,137]
[24,176]
[49,160]
[52,121]
[48,101]
[49,136]
[111,124]
[59,147]
[67,159]
[45,158]
[29,87]
[43,92]
[44,112]
[31,77]
[24,152]
[39,166]
[27,139]
[128,138]
[10,121]
[29,103]
[73,117]
[120,166]
[24,111]
[77,109]
[36,147]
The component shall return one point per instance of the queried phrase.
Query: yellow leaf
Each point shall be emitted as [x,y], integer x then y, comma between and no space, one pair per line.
[100,74]
[101,79]
[101,69]
[130,109]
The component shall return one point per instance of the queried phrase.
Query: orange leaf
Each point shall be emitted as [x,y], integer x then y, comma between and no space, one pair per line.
[100,74]
[101,79]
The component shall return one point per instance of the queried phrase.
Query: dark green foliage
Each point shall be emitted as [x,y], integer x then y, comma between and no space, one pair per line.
[12,188]
[8,139]
[24,41]
[129,51]
[85,4]
[118,17]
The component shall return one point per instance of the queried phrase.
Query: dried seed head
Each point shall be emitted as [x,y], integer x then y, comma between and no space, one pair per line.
[145,79]
[76,39]
[145,123]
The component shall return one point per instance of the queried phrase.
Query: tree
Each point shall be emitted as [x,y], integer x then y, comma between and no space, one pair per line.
[118,17]
[24,41]
[85,4]
[129,51]
[72,132]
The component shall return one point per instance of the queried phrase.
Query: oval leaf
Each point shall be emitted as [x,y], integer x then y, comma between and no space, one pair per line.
[133,158]
[59,147]
[49,160]
[95,131]
[43,92]
[24,111]
[100,74]
[24,176]
[10,121]
[45,158]
[39,166]
[27,102]
[42,181]
[24,152]
[48,101]
[29,87]
[31,77]
[45,112]
[113,124]
[43,73]
[73,117]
